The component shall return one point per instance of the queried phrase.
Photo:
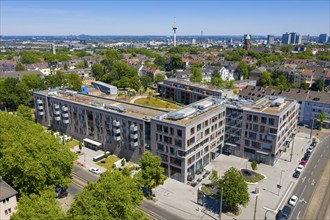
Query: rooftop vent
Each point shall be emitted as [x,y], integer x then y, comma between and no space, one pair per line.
[316,99]
[182,113]
[204,104]
[278,102]
[115,107]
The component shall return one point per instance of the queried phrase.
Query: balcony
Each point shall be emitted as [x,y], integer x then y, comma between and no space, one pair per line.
[57,106]
[41,113]
[116,123]
[57,118]
[65,115]
[134,144]
[66,121]
[40,107]
[134,136]
[64,109]
[39,101]
[116,138]
[57,112]
[116,130]
[133,128]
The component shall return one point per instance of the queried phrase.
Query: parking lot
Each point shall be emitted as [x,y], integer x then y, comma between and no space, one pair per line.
[181,198]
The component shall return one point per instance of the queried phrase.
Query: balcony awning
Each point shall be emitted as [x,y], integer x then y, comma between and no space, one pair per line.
[230,144]
[264,153]
[98,144]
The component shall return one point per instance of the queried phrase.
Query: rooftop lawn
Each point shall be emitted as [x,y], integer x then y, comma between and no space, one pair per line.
[108,162]
[72,144]
[156,103]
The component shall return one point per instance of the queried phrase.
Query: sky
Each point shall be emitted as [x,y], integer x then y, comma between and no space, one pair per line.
[114,17]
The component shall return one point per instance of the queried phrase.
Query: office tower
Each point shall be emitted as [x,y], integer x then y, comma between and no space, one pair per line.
[304,39]
[286,38]
[323,38]
[293,36]
[270,39]
[298,39]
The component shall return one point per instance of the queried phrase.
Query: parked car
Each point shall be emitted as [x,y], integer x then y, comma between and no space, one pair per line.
[286,211]
[280,216]
[310,149]
[296,174]
[307,154]
[60,192]
[293,200]
[95,170]
[302,163]
[305,158]
[300,168]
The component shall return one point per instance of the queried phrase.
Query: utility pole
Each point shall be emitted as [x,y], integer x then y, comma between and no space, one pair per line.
[293,135]
[279,186]
[255,208]
[220,211]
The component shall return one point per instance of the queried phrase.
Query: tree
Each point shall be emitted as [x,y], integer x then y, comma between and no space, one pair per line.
[151,174]
[65,67]
[175,62]
[35,160]
[321,118]
[254,165]
[217,81]
[33,82]
[97,71]
[280,81]
[214,177]
[235,189]
[13,93]
[230,84]
[135,83]
[265,79]
[318,85]
[243,70]
[20,67]
[303,85]
[29,57]
[160,62]
[54,81]
[146,82]
[73,81]
[159,78]
[113,196]
[24,112]
[43,206]
[197,75]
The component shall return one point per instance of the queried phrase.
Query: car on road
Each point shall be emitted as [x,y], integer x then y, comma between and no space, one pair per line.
[293,200]
[95,170]
[303,163]
[60,192]
[296,174]
[300,168]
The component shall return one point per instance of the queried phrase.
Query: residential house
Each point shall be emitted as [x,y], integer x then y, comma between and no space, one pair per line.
[8,200]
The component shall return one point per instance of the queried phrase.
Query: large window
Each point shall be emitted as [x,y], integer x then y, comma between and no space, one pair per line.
[271,121]
[179,133]
[263,120]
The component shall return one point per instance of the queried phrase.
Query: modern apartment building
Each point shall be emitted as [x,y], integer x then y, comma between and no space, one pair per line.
[186,139]
[312,103]
[8,200]
[119,127]
[186,92]
[260,130]
[189,138]
[286,38]
[270,39]
[323,38]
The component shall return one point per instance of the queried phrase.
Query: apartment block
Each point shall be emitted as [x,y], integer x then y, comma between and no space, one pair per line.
[103,124]
[189,138]
[186,92]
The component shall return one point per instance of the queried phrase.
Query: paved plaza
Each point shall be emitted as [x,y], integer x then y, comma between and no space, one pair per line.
[181,198]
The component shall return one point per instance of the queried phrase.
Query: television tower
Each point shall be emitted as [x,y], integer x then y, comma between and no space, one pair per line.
[174,37]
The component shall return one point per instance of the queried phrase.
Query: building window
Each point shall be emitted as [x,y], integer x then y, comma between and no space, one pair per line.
[8,211]
[247,143]
[263,120]
[179,133]
[192,131]
[255,118]
[199,127]
[271,121]
[177,142]
[166,129]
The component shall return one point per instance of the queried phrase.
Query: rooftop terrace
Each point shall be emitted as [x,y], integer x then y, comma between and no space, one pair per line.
[198,85]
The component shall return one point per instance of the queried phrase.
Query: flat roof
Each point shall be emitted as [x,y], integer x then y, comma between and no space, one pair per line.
[197,85]
[131,109]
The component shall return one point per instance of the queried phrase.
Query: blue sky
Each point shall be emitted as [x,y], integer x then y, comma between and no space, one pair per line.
[54,17]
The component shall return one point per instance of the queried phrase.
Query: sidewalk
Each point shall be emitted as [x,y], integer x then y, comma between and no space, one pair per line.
[181,199]
[86,157]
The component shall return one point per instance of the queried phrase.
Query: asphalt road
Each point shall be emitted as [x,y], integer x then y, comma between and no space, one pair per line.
[81,176]
[308,179]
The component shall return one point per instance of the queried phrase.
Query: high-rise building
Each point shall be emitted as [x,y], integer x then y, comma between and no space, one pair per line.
[270,39]
[323,38]
[304,39]
[298,39]
[293,36]
[286,38]
[193,41]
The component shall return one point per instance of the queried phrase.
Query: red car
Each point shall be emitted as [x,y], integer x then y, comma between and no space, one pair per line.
[303,162]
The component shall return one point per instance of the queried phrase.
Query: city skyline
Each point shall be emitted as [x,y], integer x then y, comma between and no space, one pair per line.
[156,18]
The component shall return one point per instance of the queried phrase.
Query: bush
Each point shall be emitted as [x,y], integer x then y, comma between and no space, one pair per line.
[254,165]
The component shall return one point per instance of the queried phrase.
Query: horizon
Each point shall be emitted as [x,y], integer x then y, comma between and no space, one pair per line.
[150,18]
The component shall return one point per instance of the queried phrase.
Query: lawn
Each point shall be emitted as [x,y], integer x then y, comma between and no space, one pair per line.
[157,103]
[206,190]
[251,176]
[108,162]
[72,144]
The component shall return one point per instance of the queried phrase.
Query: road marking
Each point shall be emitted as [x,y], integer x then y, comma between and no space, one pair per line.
[303,179]
[314,166]
[302,200]
[303,190]
[308,179]
[313,182]
[298,215]
[318,160]
[312,172]
[285,195]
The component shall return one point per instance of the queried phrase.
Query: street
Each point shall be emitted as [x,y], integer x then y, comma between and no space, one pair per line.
[311,174]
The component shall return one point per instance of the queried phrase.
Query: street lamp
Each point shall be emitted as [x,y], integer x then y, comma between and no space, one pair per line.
[293,135]
[220,211]
[312,129]
[279,186]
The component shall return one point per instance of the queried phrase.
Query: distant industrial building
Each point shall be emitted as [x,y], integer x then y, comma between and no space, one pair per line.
[323,38]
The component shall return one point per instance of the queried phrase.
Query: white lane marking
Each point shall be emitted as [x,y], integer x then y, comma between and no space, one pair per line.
[308,179]
[312,172]
[318,160]
[314,166]
[303,190]
[303,179]
[298,215]
[313,182]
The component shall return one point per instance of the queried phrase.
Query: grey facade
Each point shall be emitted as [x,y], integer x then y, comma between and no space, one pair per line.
[323,38]
[270,39]
[286,38]
[187,92]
